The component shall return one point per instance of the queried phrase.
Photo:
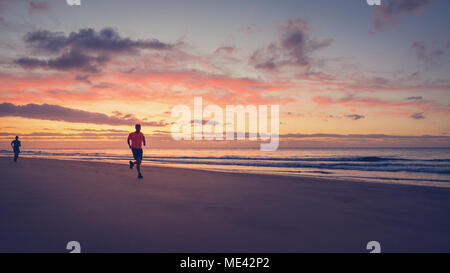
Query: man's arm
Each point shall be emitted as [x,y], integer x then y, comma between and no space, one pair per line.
[128,141]
[143,138]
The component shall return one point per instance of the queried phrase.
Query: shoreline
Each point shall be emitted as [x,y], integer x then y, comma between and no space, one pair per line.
[434,184]
[46,203]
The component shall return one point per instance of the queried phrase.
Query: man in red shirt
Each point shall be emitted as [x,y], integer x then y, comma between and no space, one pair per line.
[136,138]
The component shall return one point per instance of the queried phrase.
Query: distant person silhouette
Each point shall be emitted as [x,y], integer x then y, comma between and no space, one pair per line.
[15,144]
[136,138]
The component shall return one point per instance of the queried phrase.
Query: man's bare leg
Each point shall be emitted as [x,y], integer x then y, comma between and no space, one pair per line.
[138,168]
[138,165]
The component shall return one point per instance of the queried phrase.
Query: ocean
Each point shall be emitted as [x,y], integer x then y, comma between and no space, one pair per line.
[413,166]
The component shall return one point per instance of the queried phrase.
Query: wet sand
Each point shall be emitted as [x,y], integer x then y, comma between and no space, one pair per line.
[45,203]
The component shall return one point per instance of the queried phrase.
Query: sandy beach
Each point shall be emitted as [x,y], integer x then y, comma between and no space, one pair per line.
[45,203]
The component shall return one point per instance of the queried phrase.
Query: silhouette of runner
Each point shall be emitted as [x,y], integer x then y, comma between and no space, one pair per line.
[15,144]
[137,138]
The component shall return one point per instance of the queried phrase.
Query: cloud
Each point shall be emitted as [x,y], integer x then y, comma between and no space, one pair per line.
[97,130]
[38,6]
[369,102]
[424,54]
[178,87]
[107,39]
[204,122]
[67,61]
[225,50]
[415,98]
[86,49]
[417,116]
[3,4]
[266,58]
[387,13]
[355,116]
[82,135]
[293,48]
[367,136]
[60,113]
[83,78]
[249,30]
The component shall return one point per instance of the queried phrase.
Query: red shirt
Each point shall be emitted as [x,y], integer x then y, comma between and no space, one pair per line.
[136,139]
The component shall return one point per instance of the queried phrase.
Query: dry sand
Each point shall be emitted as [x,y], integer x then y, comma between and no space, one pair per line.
[45,203]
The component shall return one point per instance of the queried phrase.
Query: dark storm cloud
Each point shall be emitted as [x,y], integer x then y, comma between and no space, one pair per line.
[60,113]
[293,48]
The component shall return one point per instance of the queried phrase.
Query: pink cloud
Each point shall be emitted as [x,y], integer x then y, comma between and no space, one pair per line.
[38,6]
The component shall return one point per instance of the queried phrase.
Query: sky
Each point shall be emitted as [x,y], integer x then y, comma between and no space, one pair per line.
[344,73]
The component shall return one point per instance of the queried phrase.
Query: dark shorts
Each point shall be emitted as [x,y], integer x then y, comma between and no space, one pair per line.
[137,153]
[16,151]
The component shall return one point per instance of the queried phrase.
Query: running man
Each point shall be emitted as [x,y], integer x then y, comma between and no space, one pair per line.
[15,144]
[137,138]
